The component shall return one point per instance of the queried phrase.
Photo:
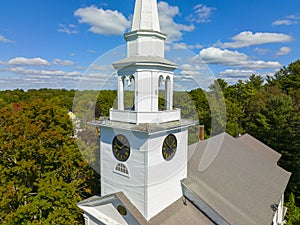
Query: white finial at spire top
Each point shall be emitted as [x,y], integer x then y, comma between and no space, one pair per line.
[145,16]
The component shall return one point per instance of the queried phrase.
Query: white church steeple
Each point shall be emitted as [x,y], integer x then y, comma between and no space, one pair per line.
[144,146]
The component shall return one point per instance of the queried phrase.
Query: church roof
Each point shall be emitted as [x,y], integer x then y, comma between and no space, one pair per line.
[180,212]
[102,207]
[261,148]
[239,178]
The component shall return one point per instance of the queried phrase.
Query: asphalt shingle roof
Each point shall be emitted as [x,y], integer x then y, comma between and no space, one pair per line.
[242,181]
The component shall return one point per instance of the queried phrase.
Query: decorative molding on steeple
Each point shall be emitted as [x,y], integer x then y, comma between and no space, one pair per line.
[145,16]
[145,37]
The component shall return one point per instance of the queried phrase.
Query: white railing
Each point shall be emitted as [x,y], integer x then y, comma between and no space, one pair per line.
[144,117]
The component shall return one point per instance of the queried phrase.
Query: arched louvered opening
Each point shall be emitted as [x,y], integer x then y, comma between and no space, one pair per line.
[122,168]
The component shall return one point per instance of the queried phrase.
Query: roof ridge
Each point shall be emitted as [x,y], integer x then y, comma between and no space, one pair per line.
[250,141]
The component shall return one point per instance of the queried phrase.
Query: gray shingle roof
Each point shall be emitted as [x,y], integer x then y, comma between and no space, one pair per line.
[241,183]
[180,212]
[263,150]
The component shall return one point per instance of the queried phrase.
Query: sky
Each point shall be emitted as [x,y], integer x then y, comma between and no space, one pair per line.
[71,44]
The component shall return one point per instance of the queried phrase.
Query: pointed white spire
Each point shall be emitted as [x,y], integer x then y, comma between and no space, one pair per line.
[145,16]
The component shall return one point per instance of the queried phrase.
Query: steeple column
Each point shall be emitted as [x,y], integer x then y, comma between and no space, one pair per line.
[168,94]
[120,93]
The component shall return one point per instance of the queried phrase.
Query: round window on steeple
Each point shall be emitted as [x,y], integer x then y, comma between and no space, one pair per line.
[122,210]
[169,147]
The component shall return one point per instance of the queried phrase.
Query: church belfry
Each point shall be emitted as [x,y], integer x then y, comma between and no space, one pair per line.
[146,69]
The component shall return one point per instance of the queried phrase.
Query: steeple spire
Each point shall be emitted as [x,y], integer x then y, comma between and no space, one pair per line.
[145,16]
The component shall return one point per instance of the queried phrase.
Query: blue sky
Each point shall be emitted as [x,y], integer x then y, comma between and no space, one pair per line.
[52,43]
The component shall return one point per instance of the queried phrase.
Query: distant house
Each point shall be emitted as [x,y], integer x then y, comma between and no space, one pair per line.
[71,115]
[149,174]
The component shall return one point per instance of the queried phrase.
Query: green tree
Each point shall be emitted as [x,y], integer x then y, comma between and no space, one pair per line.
[106,99]
[293,212]
[272,118]
[256,81]
[201,103]
[43,175]
[234,115]
[288,80]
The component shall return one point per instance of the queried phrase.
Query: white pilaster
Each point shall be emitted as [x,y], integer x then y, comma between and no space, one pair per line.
[167,93]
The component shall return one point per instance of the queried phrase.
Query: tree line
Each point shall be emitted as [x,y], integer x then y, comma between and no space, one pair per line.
[43,173]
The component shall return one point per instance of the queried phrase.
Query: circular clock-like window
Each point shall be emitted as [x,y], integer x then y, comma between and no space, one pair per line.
[169,147]
[122,210]
[121,147]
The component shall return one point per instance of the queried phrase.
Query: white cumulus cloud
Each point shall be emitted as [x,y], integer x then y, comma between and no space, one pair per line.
[237,73]
[5,40]
[201,13]
[60,62]
[284,22]
[112,22]
[182,45]
[168,25]
[22,71]
[226,57]
[261,51]
[68,29]
[260,64]
[247,38]
[102,21]
[191,69]
[283,51]
[218,56]
[28,61]
[288,20]
[178,46]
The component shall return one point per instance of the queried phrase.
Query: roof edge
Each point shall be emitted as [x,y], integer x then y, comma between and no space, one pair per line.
[202,205]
